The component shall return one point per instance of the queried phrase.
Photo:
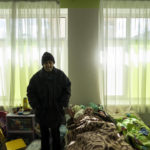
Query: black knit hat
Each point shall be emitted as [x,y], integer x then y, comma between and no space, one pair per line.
[47,56]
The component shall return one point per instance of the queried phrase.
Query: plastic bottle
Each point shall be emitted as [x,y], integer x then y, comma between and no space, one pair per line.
[25,103]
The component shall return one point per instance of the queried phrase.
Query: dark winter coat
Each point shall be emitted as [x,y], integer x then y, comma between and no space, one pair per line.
[48,93]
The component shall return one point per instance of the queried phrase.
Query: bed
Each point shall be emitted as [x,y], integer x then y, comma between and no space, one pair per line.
[91,128]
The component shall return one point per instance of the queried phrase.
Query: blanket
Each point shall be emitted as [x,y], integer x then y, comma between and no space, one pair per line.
[94,131]
[135,131]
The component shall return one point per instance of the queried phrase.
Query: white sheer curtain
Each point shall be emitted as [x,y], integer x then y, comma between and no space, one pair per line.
[27,30]
[124,41]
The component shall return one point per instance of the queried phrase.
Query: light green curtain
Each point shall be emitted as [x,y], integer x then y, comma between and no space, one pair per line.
[124,43]
[28,29]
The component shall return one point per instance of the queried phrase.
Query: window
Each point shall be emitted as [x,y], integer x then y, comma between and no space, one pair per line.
[127,45]
[22,43]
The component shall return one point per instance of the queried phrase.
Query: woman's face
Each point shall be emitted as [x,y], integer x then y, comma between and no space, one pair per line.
[48,65]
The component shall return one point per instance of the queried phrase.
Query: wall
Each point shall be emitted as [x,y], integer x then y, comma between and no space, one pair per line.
[82,52]
[79,3]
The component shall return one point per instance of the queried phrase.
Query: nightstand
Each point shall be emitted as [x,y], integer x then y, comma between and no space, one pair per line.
[20,126]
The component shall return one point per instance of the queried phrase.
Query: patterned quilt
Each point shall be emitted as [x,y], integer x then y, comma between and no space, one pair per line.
[94,131]
[135,131]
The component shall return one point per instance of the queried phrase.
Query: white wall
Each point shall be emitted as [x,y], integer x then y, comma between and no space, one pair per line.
[82,51]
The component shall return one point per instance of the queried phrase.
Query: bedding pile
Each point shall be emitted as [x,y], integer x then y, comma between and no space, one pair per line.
[90,128]
[135,131]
